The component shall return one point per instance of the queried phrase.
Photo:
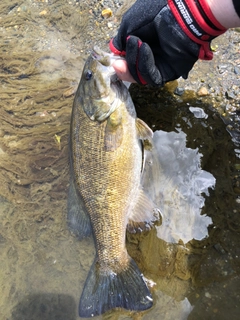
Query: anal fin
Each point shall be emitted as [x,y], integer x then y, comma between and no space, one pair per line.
[77,217]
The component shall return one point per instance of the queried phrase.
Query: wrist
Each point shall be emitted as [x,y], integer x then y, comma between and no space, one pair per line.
[225,12]
[196,19]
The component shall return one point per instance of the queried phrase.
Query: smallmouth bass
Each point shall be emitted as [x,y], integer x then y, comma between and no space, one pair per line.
[105,194]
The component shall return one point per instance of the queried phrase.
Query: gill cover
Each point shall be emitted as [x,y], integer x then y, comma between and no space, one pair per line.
[100,99]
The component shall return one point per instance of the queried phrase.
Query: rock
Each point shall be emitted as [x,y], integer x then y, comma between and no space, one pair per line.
[43,13]
[229,95]
[106,13]
[179,91]
[236,70]
[203,91]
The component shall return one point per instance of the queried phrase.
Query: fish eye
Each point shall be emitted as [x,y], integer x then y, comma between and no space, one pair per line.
[88,75]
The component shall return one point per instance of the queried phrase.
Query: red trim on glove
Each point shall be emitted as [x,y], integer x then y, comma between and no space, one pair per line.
[138,73]
[115,50]
[199,19]
[123,53]
[182,22]
[193,24]
[205,53]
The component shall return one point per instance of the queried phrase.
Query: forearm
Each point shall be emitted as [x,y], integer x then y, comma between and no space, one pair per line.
[224,11]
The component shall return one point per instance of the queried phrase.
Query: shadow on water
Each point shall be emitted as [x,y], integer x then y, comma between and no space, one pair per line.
[45,307]
[209,266]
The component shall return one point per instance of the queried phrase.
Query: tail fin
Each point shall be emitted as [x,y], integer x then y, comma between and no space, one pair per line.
[103,292]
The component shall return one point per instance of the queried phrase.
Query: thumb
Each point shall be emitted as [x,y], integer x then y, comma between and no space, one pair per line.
[121,68]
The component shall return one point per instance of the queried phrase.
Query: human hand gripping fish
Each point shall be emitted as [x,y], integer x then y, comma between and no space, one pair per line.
[105,193]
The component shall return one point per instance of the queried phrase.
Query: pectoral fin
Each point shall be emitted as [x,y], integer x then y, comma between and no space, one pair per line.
[113,131]
[144,133]
[144,214]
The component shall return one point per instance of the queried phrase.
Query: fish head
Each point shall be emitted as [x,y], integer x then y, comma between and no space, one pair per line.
[100,90]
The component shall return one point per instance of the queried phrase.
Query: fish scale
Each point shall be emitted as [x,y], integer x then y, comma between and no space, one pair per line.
[105,174]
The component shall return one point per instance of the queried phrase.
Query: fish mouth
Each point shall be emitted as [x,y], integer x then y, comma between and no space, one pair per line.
[102,57]
[116,84]
[105,58]
[115,91]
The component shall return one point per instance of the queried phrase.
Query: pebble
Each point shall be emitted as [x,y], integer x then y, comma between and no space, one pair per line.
[43,13]
[236,190]
[236,70]
[203,91]
[237,166]
[229,95]
[222,68]
[198,113]
[179,91]
[208,295]
[107,13]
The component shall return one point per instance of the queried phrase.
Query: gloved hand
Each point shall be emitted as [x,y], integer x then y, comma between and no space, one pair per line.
[162,39]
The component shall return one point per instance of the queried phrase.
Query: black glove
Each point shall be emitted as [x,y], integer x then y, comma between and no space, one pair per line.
[162,39]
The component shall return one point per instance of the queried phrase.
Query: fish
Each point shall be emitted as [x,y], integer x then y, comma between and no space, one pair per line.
[105,194]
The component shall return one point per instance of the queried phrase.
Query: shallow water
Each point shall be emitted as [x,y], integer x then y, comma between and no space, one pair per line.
[42,266]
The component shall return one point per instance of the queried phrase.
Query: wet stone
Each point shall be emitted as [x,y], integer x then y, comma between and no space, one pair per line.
[236,70]
[229,95]
[237,190]
[219,248]
[179,91]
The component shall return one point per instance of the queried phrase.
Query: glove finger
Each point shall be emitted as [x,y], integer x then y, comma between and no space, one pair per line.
[132,52]
[147,67]
[141,62]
